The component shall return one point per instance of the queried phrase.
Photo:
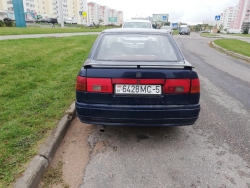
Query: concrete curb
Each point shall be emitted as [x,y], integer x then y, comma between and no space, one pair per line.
[33,174]
[231,53]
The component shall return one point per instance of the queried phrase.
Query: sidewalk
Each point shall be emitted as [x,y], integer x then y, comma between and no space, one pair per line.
[7,37]
[246,39]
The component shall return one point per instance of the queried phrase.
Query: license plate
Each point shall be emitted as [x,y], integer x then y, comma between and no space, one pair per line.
[138,89]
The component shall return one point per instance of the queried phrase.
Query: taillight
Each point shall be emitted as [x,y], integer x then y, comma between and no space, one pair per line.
[81,83]
[101,85]
[176,86]
[195,85]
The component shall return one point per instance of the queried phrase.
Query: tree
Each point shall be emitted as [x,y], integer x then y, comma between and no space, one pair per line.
[221,26]
[246,30]
[167,23]
[100,21]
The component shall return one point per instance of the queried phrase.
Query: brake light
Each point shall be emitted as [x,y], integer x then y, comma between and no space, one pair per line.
[176,86]
[81,83]
[101,85]
[195,85]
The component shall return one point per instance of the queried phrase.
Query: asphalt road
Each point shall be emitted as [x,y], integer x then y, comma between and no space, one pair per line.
[215,152]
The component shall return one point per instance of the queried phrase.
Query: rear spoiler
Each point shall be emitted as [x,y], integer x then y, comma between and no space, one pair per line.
[88,64]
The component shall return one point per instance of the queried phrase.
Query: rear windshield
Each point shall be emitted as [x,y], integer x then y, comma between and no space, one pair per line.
[134,47]
[183,28]
[137,25]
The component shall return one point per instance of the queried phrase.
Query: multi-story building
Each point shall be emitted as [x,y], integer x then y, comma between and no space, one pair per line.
[70,9]
[94,12]
[228,17]
[6,5]
[98,14]
[243,13]
[50,8]
[233,17]
[246,26]
[120,18]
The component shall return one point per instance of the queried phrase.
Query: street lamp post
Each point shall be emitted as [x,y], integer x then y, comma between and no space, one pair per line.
[61,13]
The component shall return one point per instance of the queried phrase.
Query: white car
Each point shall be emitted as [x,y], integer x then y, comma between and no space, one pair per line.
[168,29]
[137,24]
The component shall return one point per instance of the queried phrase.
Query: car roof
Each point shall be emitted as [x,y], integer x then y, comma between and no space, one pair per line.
[134,30]
[137,21]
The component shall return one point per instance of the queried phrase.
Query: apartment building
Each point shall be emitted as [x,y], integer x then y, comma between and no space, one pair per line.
[233,17]
[243,13]
[94,12]
[104,14]
[228,17]
[120,18]
[101,14]
[6,5]
[50,8]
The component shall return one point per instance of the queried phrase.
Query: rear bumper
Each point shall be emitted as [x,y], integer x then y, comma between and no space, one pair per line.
[138,115]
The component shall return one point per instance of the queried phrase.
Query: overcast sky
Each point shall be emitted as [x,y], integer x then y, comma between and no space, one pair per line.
[188,11]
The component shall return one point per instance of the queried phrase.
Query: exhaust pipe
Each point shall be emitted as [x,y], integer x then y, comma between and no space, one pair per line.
[102,128]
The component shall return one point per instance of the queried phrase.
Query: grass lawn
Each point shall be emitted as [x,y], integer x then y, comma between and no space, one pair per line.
[176,32]
[208,35]
[234,45]
[37,86]
[43,30]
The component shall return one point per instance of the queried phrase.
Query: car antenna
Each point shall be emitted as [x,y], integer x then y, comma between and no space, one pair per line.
[138,66]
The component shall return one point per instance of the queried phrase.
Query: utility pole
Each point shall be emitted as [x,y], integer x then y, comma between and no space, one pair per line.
[19,13]
[60,8]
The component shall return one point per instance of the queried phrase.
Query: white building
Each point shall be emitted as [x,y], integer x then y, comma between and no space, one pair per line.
[94,12]
[228,16]
[50,8]
[6,5]
[120,18]
[70,9]
[100,14]
[104,15]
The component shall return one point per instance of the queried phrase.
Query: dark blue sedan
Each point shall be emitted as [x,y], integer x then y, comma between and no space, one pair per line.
[137,77]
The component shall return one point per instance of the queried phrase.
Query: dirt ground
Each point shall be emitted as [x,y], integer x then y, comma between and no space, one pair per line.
[74,153]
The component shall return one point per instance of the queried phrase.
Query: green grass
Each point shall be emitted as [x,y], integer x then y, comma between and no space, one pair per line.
[234,45]
[42,30]
[209,35]
[37,86]
[176,32]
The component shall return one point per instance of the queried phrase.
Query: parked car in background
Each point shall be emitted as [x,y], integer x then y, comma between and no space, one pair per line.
[137,24]
[52,20]
[185,31]
[72,20]
[182,26]
[8,20]
[137,77]
[167,29]
[43,20]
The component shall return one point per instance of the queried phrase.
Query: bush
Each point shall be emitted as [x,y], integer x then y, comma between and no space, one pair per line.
[245,31]
[9,23]
[2,23]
